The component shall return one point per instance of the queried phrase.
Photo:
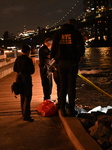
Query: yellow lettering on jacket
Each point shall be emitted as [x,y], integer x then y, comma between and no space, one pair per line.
[66,39]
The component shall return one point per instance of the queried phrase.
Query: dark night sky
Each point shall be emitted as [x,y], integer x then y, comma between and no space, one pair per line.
[14,14]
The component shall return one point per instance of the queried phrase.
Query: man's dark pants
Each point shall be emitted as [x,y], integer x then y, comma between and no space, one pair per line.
[46,79]
[57,81]
[26,95]
[68,74]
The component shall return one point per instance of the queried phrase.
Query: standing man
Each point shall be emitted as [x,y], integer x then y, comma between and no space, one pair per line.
[45,73]
[24,67]
[67,50]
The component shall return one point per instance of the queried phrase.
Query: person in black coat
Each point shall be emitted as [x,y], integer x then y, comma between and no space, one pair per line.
[24,67]
[45,73]
[67,50]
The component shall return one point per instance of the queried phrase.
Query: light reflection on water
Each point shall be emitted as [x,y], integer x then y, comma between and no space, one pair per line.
[96,66]
[97,59]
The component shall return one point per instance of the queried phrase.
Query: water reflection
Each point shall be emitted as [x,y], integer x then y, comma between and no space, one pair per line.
[97,67]
[98,59]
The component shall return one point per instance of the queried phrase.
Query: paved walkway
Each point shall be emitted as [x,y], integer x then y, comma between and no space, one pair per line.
[45,133]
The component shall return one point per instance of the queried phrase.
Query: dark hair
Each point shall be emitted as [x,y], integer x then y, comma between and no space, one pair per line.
[47,40]
[72,21]
[25,48]
[68,27]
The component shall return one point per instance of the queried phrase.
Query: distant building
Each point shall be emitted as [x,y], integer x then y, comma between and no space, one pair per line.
[98,12]
[26,33]
[96,6]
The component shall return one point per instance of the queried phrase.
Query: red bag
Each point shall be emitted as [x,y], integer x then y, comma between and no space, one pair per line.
[47,108]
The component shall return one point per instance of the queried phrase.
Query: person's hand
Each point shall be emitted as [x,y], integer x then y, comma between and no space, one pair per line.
[48,56]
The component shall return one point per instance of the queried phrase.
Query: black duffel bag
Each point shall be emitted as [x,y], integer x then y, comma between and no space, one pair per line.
[17,86]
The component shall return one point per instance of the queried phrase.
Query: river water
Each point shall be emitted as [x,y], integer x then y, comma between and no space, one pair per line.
[96,66]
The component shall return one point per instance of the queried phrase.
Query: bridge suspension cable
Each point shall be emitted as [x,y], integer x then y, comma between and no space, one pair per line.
[69,14]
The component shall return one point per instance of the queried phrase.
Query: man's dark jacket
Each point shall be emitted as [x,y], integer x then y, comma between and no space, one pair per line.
[68,44]
[43,56]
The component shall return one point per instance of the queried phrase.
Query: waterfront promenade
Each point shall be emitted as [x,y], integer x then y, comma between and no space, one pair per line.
[45,133]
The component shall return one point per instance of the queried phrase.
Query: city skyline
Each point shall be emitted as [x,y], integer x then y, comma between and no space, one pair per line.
[37,13]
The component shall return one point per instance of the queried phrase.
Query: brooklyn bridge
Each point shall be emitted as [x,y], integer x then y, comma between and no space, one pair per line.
[93,87]
[94,23]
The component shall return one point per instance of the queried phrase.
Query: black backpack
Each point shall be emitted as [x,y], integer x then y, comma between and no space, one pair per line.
[16,88]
